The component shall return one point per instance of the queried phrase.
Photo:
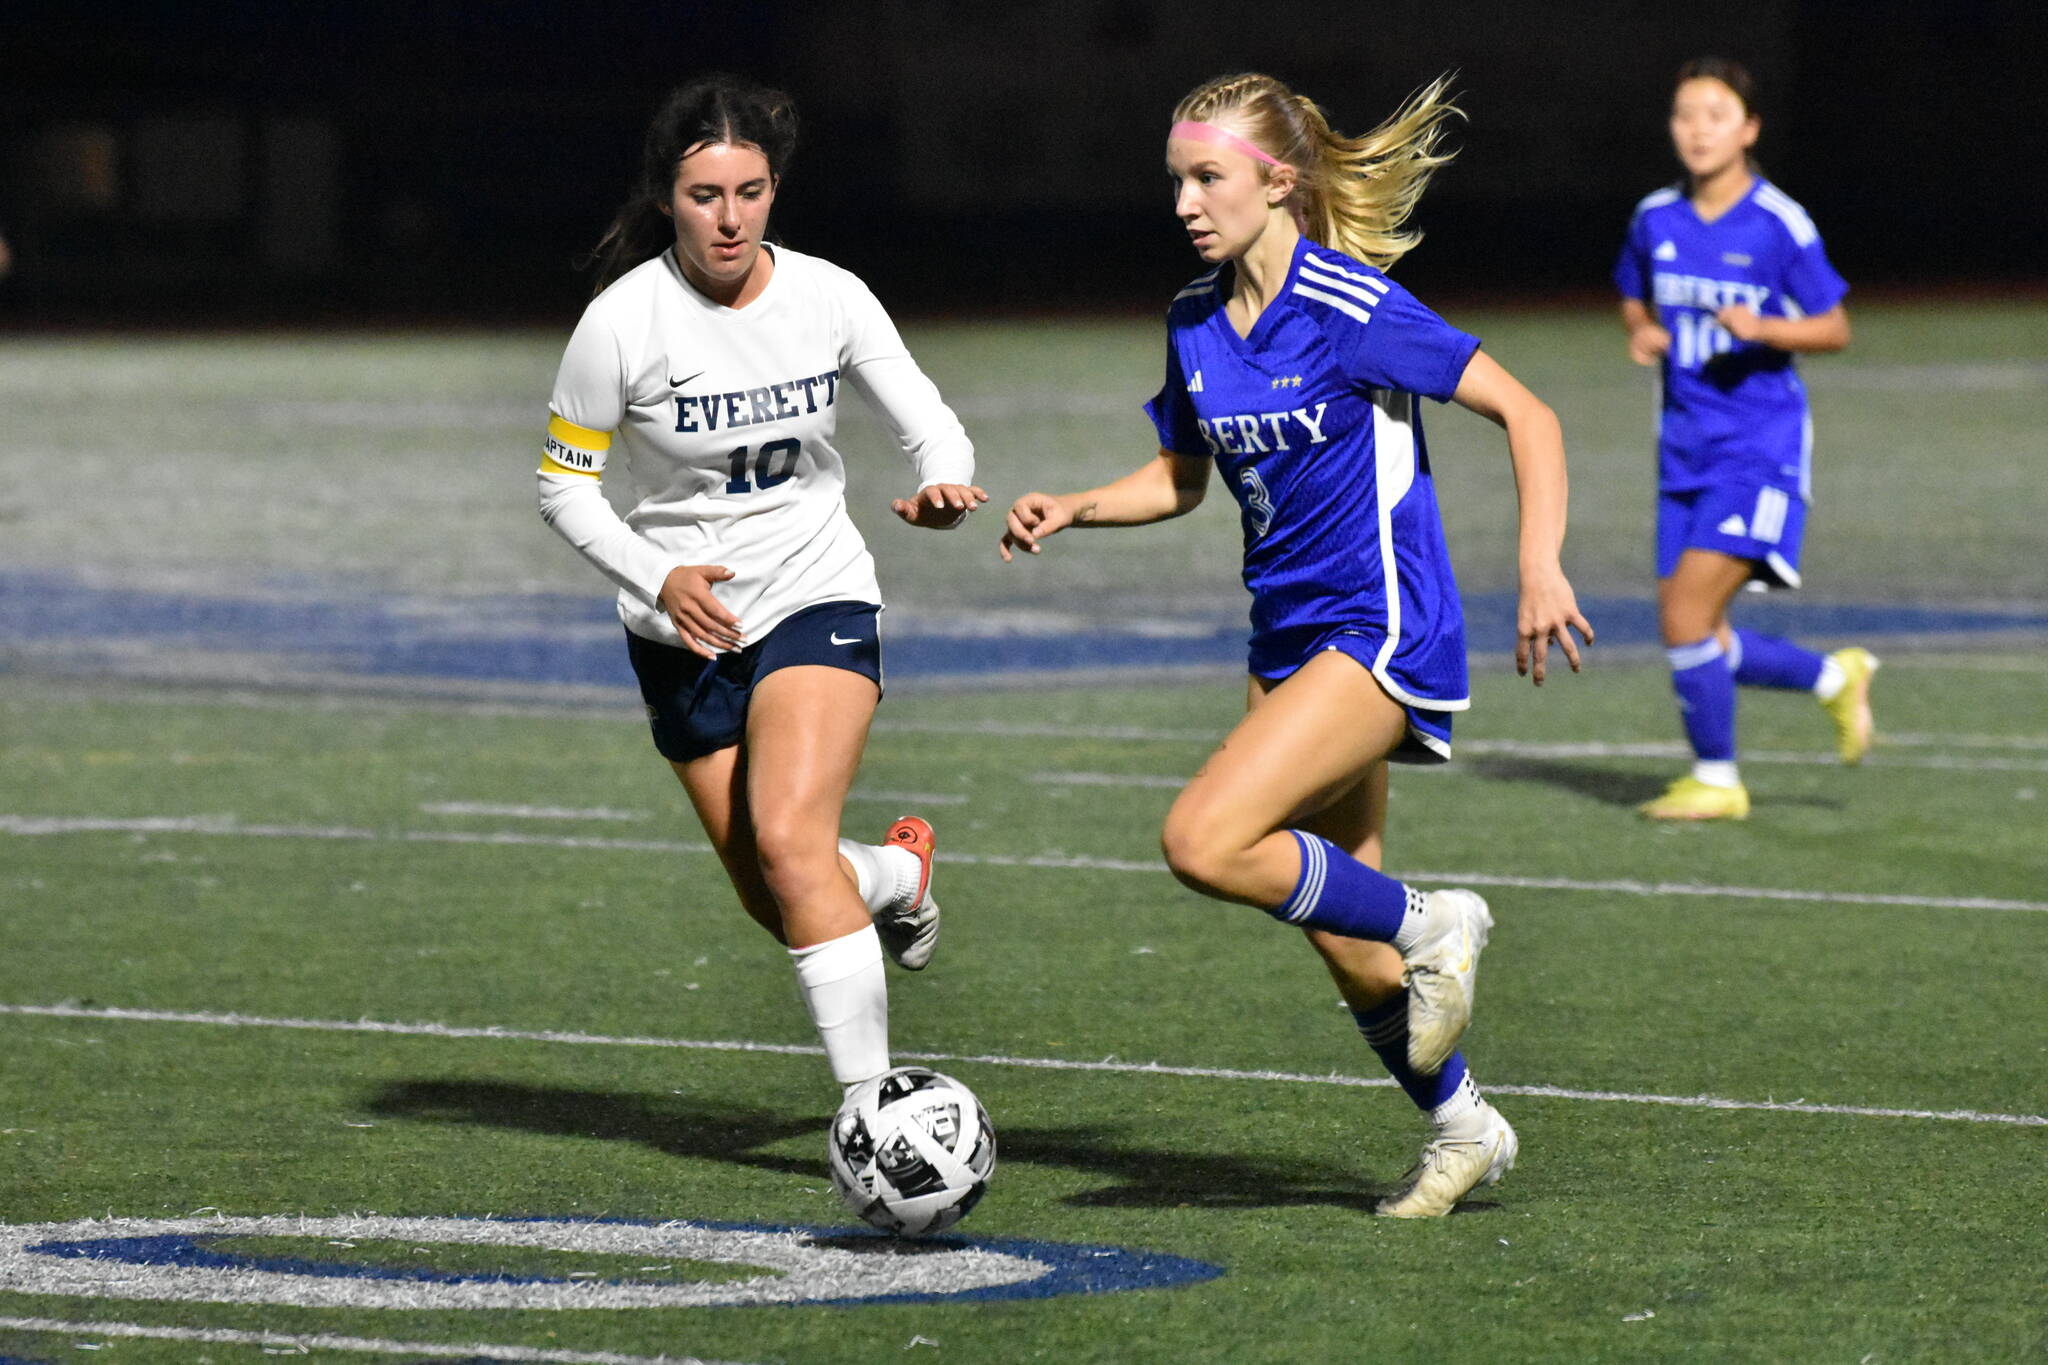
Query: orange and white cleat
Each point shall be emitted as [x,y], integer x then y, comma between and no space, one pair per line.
[909,926]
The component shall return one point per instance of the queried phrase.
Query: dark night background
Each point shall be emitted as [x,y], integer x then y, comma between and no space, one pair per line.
[391,162]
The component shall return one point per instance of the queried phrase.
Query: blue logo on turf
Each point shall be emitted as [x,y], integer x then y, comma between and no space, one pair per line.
[212,1260]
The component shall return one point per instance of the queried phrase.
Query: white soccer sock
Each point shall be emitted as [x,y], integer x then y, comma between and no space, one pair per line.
[1831,681]
[1716,772]
[1414,917]
[1463,1114]
[884,873]
[847,995]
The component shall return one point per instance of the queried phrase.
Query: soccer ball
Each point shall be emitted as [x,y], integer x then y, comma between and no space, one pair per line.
[911,1151]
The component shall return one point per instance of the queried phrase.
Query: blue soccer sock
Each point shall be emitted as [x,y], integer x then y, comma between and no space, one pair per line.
[1444,1096]
[1706,701]
[1340,895]
[1766,661]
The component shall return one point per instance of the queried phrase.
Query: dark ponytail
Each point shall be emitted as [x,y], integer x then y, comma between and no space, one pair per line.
[711,109]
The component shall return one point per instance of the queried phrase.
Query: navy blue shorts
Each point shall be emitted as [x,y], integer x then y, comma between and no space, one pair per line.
[698,706]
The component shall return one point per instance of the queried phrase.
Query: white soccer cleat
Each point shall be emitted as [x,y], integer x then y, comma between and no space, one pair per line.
[910,925]
[1440,970]
[1451,1168]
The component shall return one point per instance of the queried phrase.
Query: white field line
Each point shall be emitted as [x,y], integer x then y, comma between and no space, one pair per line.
[1964,663]
[1515,748]
[1967,741]
[1154,781]
[1661,749]
[1049,730]
[297,1343]
[909,798]
[1530,748]
[31,826]
[1107,1064]
[514,812]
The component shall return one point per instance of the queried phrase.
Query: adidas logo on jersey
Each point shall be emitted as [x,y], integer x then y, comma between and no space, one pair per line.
[1666,251]
[1732,526]
[1195,384]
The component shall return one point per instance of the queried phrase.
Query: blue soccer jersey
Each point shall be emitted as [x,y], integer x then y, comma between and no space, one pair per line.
[1734,412]
[1313,424]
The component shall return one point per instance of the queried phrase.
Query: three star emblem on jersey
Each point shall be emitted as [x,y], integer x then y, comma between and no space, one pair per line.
[1287,381]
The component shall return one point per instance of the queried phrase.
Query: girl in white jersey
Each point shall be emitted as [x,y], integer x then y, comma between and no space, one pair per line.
[716,363]
[1275,380]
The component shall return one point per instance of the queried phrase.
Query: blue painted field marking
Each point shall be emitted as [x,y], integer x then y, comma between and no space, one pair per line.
[1060,1268]
[569,639]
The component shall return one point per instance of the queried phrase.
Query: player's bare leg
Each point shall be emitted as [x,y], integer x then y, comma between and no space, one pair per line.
[1470,1143]
[806,727]
[716,785]
[1235,833]
[1693,602]
[717,788]
[1367,973]
[1308,742]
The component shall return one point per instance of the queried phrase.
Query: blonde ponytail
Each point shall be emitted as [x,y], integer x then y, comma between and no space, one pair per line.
[1352,193]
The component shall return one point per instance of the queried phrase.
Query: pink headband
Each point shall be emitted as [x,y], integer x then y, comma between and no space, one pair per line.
[1209,132]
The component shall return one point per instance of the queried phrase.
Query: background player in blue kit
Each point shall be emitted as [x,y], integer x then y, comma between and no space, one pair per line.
[1292,369]
[1722,278]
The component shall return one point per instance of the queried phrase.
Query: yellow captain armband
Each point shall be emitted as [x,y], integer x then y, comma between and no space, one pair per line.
[574,450]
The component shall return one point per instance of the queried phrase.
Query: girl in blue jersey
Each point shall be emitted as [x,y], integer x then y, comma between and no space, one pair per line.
[1723,278]
[1293,368]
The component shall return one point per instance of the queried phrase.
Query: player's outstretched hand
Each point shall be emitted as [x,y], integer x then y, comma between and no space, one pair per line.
[699,617]
[1549,611]
[1033,517]
[1648,344]
[941,507]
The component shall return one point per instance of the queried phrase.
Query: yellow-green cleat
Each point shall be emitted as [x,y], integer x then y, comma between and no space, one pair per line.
[1691,799]
[1849,709]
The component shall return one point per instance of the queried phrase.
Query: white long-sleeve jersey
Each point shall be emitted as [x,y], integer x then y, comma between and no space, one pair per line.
[726,418]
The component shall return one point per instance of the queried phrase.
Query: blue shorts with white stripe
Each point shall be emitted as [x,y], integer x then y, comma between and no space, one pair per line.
[1761,523]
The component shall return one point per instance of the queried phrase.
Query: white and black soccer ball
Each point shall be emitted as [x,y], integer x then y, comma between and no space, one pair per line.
[911,1151]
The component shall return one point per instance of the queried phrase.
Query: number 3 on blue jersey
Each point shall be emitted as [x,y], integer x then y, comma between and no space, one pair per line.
[1258,499]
